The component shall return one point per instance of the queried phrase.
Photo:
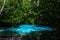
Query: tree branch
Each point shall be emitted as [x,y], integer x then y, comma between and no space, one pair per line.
[2,6]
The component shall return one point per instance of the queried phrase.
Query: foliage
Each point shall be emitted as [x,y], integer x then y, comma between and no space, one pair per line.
[48,12]
[17,11]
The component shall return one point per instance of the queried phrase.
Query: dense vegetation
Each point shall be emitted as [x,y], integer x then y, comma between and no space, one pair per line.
[41,12]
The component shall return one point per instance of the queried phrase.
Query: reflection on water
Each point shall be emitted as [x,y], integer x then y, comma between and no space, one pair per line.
[26,29]
[1,30]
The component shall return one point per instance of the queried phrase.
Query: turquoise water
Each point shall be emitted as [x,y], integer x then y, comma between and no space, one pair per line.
[26,29]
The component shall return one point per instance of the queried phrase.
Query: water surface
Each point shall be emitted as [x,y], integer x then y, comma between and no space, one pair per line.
[26,29]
